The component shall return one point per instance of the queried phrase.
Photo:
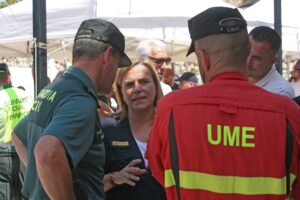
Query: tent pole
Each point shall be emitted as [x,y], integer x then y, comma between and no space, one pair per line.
[277,27]
[95,8]
[40,52]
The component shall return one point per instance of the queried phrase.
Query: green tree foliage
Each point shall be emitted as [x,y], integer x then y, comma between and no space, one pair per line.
[5,3]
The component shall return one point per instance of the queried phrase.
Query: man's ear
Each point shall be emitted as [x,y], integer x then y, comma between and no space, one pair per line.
[9,78]
[274,59]
[249,48]
[204,59]
[107,54]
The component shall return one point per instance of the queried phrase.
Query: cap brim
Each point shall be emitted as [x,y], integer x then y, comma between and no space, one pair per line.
[194,79]
[177,79]
[191,49]
[4,71]
[124,61]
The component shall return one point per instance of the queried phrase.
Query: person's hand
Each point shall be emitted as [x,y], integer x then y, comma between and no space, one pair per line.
[128,174]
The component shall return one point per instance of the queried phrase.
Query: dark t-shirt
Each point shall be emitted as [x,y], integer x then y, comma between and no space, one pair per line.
[297,100]
[66,109]
[175,86]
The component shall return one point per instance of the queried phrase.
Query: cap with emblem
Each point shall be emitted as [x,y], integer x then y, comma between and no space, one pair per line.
[215,20]
[104,31]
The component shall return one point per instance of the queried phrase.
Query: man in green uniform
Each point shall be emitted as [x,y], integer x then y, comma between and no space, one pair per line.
[14,105]
[61,140]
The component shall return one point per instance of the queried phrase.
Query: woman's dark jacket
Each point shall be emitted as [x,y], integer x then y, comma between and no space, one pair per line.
[120,150]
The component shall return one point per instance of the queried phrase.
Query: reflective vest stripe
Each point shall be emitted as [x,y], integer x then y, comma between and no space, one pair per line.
[229,184]
[11,122]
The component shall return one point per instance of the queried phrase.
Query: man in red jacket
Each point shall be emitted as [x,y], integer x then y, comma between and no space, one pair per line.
[227,139]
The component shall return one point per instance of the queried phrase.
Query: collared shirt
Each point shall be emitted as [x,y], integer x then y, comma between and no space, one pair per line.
[296,86]
[67,110]
[229,134]
[165,88]
[274,82]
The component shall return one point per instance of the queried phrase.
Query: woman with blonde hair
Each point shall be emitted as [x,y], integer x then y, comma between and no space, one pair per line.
[127,177]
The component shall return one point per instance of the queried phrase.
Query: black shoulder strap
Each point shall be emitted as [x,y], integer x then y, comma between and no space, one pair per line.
[289,142]
[174,155]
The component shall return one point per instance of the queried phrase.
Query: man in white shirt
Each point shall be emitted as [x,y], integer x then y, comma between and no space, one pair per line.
[156,51]
[265,43]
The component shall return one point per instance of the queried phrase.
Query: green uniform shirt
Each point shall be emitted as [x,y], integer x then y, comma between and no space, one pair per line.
[66,109]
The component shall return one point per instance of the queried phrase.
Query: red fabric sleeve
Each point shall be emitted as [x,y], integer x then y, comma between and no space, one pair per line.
[153,153]
[158,152]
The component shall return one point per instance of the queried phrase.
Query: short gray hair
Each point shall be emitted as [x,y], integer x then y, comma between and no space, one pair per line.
[143,49]
[226,49]
[88,48]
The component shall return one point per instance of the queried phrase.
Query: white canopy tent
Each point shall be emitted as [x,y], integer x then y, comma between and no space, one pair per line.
[262,13]
[63,19]
[137,19]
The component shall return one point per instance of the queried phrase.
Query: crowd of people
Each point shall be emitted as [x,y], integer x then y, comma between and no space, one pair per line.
[108,128]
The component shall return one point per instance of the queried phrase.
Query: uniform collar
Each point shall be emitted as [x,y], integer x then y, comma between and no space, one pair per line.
[83,77]
[229,75]
[269,76]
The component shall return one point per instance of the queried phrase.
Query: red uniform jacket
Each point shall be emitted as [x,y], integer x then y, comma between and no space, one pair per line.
[231,140]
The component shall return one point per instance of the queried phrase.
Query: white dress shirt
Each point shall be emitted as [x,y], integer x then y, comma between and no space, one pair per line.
[165,88]
[274,82]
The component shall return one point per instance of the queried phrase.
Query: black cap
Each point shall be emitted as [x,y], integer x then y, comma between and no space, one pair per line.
[188,76]
[4,68]
[215,20]
[104,31]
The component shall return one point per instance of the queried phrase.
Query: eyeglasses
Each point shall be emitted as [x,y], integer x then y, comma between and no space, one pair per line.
[160,61]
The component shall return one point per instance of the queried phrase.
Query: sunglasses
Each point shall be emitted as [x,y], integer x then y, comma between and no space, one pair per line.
[160,61]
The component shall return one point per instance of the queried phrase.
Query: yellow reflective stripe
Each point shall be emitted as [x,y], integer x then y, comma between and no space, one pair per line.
[229,184]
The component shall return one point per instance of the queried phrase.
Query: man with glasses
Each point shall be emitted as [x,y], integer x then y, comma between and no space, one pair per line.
[265,44]
[155,51]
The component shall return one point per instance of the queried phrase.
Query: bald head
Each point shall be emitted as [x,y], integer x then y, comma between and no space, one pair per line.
[220,40]
[226,50]
[223,53]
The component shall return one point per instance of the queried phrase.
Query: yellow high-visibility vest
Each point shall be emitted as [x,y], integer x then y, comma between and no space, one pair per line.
[14,105]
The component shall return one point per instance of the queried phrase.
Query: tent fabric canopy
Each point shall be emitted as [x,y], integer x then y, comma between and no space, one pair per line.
[63,20]
[137,19]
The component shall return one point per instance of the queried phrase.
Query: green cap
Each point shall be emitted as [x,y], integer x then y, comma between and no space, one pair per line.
[104,31]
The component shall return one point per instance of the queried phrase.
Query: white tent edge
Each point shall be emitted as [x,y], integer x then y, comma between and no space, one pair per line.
[64,18]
